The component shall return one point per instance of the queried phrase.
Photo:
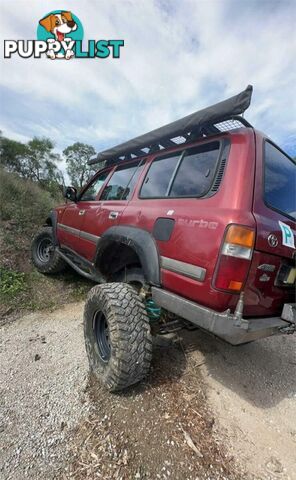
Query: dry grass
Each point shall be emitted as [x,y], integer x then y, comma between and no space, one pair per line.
[24,207]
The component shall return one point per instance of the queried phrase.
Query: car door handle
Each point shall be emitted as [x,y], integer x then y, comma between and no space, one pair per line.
[113,215]
[81,212]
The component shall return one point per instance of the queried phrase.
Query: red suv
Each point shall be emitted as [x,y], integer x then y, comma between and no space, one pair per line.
[196,218]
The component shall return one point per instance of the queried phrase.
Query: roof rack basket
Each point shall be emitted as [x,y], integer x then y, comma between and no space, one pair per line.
[221,117]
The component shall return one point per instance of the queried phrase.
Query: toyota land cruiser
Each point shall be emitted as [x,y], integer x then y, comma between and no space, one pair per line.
[196,218]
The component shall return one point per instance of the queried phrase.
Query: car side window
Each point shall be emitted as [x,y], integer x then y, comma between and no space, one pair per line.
[122,182]
[158,177]
[90,194]
[196,171]
[187,173]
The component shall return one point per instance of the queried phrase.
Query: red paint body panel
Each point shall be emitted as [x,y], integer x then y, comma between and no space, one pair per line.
[199,228]
[69,215]
[200,223]
[264,298]
[96,221]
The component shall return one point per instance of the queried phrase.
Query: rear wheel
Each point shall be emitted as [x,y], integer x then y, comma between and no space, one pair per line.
[117,335]
[44,254]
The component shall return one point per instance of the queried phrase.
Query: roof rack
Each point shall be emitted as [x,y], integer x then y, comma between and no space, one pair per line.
[221,117]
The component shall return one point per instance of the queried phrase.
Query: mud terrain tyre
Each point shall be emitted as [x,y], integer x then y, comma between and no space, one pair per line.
[43,253]
[117,335]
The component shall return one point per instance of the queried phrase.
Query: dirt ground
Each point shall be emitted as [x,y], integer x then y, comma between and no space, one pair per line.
[252,390]
[207,411]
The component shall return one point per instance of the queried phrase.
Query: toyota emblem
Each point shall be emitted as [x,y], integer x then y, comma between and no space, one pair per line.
[272,240]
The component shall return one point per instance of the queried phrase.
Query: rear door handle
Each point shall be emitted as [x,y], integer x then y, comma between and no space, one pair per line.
[113,215]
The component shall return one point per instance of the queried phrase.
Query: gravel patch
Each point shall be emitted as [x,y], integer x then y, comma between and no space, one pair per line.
[56,422]
[207,411]
[43,377]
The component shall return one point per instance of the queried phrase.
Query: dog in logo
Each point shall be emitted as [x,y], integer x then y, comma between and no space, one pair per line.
[59,24]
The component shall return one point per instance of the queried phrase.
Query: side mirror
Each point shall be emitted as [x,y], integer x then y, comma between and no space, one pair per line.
[71,194]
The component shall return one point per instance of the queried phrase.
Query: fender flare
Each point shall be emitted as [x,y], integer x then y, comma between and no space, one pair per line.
[141,241]
[52,220]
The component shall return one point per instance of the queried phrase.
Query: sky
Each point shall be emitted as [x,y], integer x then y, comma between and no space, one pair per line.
[179,56]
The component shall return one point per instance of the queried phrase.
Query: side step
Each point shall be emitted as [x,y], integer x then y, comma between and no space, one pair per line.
[80,265]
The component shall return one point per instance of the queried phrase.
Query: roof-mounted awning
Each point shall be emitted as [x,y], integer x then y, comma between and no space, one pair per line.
[220,117]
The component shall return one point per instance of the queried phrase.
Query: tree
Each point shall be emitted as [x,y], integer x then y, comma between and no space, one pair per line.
[11,154]
[77,157]
[40,161]
[34,160]
[41,165]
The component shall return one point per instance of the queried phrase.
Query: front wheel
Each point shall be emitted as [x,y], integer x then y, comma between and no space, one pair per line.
[44,254]
[117,335]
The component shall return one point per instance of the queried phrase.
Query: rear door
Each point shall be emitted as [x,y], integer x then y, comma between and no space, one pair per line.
[273,273]
[177,202]
[105,211]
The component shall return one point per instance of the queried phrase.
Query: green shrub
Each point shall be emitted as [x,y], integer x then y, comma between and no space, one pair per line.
[11,283]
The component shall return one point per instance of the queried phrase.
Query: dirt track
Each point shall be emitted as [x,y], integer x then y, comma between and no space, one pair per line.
[237,406]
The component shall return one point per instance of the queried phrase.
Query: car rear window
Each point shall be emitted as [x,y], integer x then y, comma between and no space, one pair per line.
[279,181]
[189,173]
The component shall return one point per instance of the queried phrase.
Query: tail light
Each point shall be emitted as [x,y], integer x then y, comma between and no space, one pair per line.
[234,260]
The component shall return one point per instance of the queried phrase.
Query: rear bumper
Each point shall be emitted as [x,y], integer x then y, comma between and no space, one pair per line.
[232,328]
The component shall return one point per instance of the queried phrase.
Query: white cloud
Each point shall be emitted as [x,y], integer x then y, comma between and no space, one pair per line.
[178,57]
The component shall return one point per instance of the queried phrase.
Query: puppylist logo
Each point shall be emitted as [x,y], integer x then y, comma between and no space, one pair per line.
[59,36]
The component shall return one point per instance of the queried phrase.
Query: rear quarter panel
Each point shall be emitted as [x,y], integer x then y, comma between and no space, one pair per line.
[200,223]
